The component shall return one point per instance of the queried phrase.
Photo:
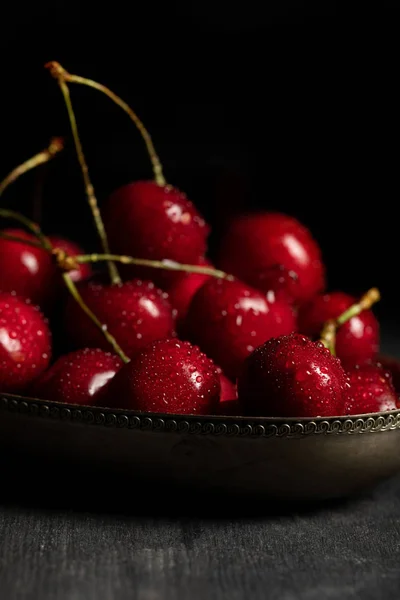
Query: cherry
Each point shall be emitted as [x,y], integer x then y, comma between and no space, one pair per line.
[252,244]
[183,289]
[80,377]
[168,376]
[147,220]
[228,319]
[292,376]
[32,272]
[371,390]
[282,281]
[357,340]
[25,343]
[135,313]
[392,365]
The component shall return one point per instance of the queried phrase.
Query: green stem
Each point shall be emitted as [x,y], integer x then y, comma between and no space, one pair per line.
[328,334]
[78,298]
[55,146]
[14,238]
[92,200]
[168,265]
[30,225]
[61,74]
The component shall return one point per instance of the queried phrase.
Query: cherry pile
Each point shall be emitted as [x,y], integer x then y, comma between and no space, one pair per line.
[249,331]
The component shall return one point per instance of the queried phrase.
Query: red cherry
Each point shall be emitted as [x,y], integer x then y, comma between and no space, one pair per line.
[282,281]
[81,377]
[392,365]
[168,376]
[31,272]
[254,243]
[26,270]
[357,340]
[25,343]
[228,319]
[228,389]
[292,376]
[135,313]
[182,291]
[371,390]
[146,220]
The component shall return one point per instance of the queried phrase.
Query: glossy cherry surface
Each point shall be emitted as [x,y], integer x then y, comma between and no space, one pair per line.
[146,220]
[168,376]
[32,272]
[292,376]
[25,343]
[135,313]
[254,243]
[357,341]
[371,390]
[79,377]
[228,319]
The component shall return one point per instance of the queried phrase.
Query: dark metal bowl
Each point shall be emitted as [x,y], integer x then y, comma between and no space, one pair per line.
[300,459]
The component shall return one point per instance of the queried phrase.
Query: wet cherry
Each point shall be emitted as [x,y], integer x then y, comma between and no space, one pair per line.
[80,377]
[371,390]
[25,343]
[32,272]
[292,376]
[135,313]
[357,341]
[147,220]
[228,319]
[168,376]
[254,243]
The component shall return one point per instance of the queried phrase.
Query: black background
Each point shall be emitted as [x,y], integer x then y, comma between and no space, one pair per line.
[282,105]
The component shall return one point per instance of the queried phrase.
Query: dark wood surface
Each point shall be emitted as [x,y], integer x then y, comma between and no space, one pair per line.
[346,551]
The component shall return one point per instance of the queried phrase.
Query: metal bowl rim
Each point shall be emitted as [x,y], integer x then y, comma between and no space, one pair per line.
[202,424]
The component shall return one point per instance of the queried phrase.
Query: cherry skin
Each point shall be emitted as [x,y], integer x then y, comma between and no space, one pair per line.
[146,220]
[357,341]
[31,272]
[168,376]
[292,376]
[254,243]
[182,290]
[392,365]
[25,343]
[80,377]
[371,390]
[228,389]
[280,280]
[228,319]
[135,313]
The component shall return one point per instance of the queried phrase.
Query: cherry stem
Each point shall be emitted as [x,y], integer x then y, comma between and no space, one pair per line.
[78,298]
[328,334]
[92,200]
[66,263]
[15,238]
[59,73]
[55,146]
[28,224]
[169,265]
